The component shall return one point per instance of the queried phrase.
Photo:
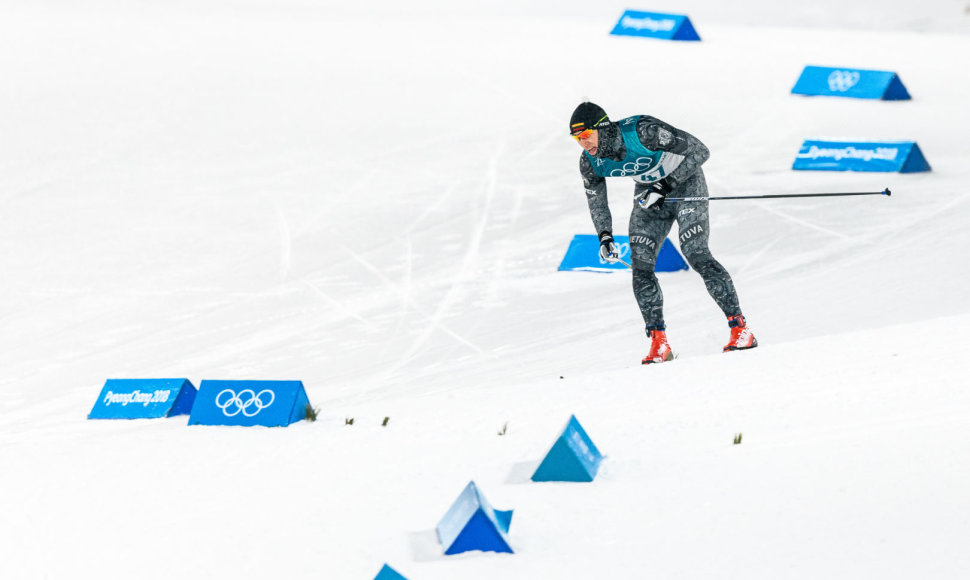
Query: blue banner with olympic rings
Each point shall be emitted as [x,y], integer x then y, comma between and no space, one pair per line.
[249,403]
[850,82]
[583,255]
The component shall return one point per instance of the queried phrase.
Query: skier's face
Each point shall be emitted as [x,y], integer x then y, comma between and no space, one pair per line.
[589,140]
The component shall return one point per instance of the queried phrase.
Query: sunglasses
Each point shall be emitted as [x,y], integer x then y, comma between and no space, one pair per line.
[586,134]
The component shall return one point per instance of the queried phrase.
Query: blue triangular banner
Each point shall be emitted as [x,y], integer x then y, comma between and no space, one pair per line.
[882,156]
[583,255]
[472,524]
[249,403]
[655,25]
[850,82]
[143,399]
[479,534]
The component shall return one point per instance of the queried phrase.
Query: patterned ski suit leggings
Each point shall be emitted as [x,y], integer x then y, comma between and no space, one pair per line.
[649,228]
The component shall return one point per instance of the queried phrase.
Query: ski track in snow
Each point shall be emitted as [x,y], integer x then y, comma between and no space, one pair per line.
[462,275]
[805,224]
[404,292]
[337,304]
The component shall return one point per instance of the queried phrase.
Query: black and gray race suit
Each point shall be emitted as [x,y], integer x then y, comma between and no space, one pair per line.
[660,151]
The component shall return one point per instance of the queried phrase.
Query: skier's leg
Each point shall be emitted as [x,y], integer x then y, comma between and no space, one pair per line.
[694,224]
[648,229]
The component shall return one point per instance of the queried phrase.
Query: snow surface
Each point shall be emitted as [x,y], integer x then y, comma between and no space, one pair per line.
[373,197]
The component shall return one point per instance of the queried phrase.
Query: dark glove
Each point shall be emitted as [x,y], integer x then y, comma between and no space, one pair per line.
[608,250]
[655,193]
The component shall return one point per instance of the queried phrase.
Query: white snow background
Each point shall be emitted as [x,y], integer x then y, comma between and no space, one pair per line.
[374,197]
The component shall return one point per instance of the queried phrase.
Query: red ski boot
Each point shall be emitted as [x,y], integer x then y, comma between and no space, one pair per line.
[659,349]
[741,336]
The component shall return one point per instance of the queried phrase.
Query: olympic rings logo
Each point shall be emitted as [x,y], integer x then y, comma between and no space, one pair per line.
[243,402]
[843,80]
[641,165]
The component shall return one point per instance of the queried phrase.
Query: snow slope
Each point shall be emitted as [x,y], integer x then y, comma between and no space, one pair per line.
[373,199]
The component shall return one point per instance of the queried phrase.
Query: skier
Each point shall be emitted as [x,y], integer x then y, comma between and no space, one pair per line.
[661,160]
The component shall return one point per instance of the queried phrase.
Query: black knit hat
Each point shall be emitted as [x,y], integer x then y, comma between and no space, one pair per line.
[587,116]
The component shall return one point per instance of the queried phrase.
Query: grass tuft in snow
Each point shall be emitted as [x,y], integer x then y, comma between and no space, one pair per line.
[310,414]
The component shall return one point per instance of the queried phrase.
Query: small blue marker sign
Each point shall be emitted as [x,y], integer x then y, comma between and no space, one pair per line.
[655,25]
[143,399]
[573,457]
[472,524]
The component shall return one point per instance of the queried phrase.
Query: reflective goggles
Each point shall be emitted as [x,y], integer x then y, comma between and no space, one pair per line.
[585,134]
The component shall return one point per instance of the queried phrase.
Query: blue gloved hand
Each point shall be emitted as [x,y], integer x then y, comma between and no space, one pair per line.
[608,250]
[655,193]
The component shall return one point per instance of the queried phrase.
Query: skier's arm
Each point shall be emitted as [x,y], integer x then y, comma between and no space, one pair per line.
[659,136]
[595,186]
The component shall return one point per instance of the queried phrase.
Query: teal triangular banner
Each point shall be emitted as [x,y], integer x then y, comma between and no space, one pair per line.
[561,464]
[573,457]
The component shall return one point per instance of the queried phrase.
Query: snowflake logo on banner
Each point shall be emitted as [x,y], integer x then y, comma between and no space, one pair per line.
[843,80]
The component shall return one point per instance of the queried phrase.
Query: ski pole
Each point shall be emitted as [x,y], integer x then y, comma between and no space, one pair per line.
[883,192]
[776,196]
